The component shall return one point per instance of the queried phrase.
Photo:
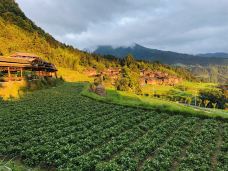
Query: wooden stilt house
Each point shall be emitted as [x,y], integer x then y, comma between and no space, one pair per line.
[17,63]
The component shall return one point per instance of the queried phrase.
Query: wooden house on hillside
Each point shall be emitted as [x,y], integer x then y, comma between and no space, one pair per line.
[91,72]
[157,78]
[20,62]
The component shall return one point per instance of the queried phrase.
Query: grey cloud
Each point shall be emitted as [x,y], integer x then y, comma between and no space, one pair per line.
[191,26]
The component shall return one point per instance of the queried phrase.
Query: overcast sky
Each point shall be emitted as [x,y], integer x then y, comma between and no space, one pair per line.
[191,26]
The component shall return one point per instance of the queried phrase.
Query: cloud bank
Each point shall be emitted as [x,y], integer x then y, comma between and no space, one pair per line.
[190,26]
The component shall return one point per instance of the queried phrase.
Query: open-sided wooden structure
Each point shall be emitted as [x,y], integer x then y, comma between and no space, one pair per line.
[20,62]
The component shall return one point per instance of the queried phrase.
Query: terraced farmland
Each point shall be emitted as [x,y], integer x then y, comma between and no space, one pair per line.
[58,128]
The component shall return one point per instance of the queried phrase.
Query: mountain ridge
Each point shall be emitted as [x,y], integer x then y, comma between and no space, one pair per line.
[167,57]
[215,54]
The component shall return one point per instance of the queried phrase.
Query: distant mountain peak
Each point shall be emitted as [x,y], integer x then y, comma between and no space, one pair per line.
[168,57]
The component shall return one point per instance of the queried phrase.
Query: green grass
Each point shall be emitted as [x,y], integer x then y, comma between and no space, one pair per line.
[73,76]
[133,100]
[191,88]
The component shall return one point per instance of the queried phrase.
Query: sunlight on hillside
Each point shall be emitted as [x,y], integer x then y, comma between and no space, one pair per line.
[73,76]
[11,90]
[191,88]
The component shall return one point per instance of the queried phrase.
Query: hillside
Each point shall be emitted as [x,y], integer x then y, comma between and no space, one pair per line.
[211,73]
[18,33]
[167,57]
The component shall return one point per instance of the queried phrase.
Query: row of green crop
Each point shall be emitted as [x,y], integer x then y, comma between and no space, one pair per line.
[87,133]
[117,144]
[60,128]
[163,158]
[131,156]
[223,155]
[49,136]
[198,155]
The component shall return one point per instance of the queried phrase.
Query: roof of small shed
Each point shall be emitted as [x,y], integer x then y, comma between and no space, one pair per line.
[21,54]
[15,60]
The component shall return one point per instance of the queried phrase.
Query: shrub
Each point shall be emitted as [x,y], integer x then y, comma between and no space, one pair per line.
[41,83]
[129,81]
[209,96]
[98,81]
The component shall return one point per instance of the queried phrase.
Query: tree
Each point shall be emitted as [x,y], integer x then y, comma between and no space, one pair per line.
[214,105]
[199,102]
[188,100]
[206,102]
[209,96]
[100,67]
[129,81]
[129,60]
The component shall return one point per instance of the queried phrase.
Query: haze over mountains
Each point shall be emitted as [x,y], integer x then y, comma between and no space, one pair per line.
[167,57]
[217,54]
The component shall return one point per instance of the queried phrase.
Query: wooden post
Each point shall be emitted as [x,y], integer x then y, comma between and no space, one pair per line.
[9,75]
[56,75]
[21,72]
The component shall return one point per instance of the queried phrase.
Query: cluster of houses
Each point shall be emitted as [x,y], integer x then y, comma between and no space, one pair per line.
[158,78]
[147,77]
[14,66]
[112,73]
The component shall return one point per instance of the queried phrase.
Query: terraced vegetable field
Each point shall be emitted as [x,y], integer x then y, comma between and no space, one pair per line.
[59,128]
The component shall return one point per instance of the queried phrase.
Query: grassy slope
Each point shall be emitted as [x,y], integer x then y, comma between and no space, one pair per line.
[191,88]
[73,76]
[19,33]
[11,89]
[25,41]
[130,99]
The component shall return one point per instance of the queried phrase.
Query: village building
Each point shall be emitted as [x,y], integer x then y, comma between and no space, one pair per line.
[152,82]
[147,77]
[157,78]
[91,72]
[12,67]
[142,81]
[111,73]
